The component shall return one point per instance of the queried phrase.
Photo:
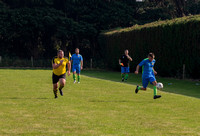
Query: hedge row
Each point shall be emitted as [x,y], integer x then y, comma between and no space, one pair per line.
[175,43]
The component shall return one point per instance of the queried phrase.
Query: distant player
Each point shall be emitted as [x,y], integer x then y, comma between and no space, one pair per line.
[148,74]
[59,72]
[124,62]
[77,65]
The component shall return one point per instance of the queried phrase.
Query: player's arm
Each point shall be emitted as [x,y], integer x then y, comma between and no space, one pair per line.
[120,61]
[55,66]
[137,69]
[155,73]
[71,60]
[129,58]
[138,66]
[69,67]
[81,64]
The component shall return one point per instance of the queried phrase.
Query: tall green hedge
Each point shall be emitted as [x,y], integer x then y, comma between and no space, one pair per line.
[175,43]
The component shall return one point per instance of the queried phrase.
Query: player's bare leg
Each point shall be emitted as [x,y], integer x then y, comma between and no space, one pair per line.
[55,90]
[140,88]
[62,84]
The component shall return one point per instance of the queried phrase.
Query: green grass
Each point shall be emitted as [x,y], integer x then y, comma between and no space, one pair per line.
[184,87]
[96,107]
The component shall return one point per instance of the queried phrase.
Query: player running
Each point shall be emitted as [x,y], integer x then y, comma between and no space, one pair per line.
[124,62]
[59,72]
[77,65]
[148,74]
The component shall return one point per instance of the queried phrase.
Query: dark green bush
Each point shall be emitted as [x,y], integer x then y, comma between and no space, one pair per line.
[174,42]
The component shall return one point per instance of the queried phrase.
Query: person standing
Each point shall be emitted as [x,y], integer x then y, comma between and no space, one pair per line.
[59,72]
[148,74]
[124,62]
[77,65]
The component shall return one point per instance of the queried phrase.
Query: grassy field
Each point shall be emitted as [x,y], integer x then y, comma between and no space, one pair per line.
[100,106]
[184,87]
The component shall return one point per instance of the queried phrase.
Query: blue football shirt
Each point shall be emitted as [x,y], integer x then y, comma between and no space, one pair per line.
[147,67]
[76,59]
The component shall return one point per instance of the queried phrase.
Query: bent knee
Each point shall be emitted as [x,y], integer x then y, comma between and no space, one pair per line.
[62,83]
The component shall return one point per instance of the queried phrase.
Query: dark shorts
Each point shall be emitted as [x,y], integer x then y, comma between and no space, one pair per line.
[56,78]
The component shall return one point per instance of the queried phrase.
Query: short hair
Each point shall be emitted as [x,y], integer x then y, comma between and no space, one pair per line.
[151,55]
[77,49]
[126,50]
[59,51]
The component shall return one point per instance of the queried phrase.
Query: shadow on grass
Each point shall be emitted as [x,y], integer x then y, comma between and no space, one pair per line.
[176,86]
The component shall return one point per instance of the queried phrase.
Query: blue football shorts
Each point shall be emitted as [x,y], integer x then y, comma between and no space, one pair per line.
[125,70]
[147,79]
[76,69]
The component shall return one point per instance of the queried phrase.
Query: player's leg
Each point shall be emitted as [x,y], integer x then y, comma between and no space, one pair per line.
[122,73]
[74,73]
[62,81]
[55,80]
[145,82]
[78,71]
[78,77]
[154,88]
[55,90]
[74,76]
[126,71]
[154,82]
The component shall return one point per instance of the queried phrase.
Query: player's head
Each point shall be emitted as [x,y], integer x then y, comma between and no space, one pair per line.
[77,50]
[126,52]
[60,54]
[151,56]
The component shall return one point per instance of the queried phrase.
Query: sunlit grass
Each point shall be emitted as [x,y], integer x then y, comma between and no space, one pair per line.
[94,107]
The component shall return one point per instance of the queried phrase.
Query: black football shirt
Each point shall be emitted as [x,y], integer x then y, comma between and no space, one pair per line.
[124,60]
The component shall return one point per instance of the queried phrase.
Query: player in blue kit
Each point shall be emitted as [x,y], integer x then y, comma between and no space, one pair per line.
[77,65]
[148,74]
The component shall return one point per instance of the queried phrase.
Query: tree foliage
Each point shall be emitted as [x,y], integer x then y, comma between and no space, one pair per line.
[40,27]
